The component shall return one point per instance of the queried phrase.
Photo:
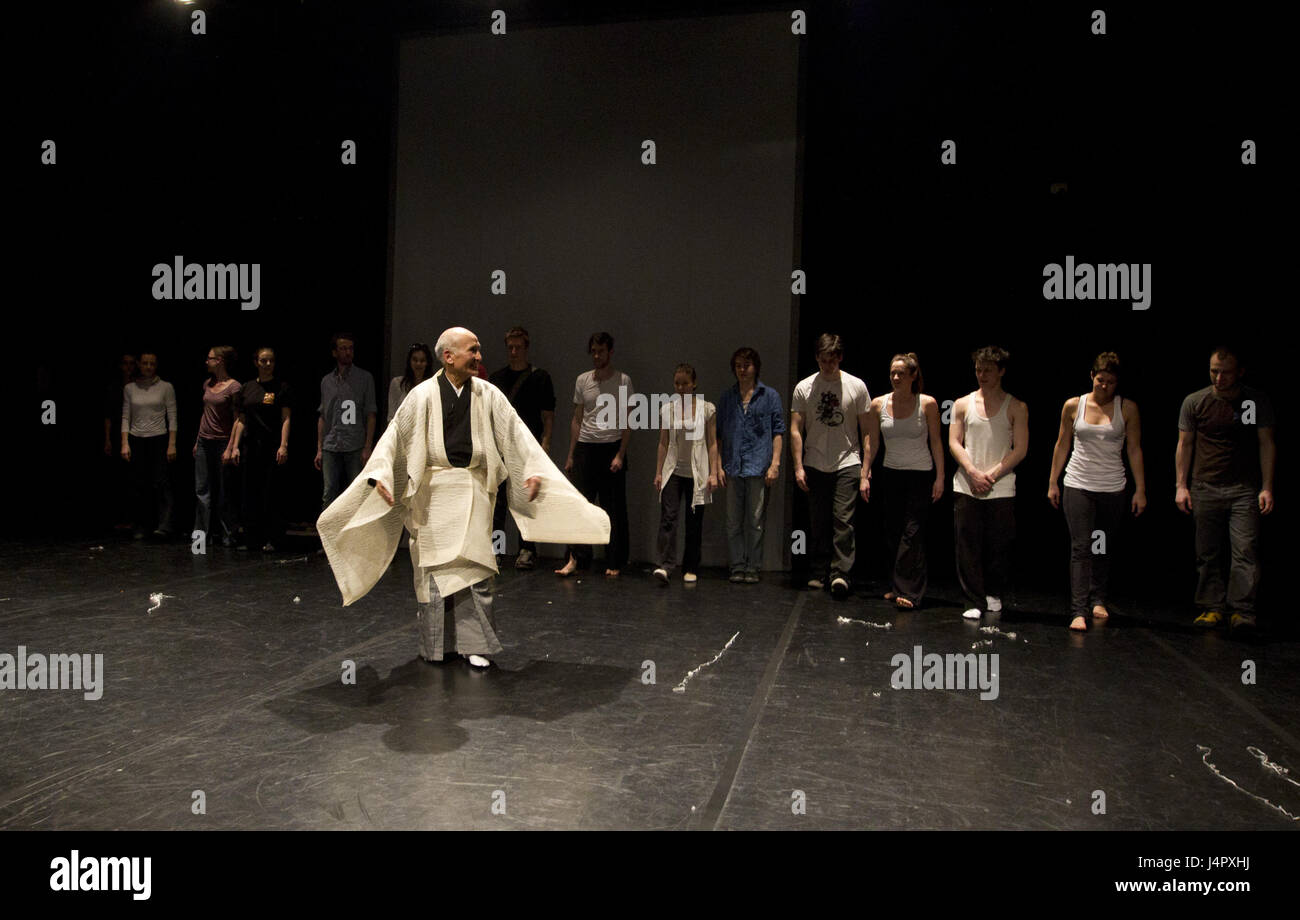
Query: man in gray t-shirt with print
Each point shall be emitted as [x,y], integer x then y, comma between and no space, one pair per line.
[832,460]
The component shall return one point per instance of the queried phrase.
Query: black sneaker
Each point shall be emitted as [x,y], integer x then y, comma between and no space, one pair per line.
[839,587]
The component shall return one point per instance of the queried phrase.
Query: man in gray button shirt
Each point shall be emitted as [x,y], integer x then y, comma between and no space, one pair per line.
[347,395]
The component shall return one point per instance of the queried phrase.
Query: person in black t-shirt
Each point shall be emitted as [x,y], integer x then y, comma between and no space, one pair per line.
[532,395]
[261,445]
[1224,464]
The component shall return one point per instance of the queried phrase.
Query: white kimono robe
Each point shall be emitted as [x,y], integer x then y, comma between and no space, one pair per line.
[447,509]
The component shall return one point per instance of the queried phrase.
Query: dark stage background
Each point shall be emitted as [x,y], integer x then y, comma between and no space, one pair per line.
[225,147]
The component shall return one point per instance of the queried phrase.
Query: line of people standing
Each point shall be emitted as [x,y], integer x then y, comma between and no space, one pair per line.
[1225,464]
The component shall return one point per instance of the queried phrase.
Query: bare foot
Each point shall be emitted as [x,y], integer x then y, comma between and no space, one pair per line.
[890,595]
[611,573]
[900,601]
[569,568]
[1100,613]
[1079,624]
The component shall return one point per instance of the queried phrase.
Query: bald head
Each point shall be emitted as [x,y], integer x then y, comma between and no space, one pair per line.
[458,350]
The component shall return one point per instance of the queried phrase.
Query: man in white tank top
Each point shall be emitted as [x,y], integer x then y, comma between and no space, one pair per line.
[989,436]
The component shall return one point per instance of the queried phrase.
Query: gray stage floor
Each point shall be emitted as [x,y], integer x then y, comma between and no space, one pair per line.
[231,696]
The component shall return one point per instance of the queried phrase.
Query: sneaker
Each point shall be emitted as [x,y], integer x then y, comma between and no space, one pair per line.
[1209,619]
[737,578]
[839,587]
[972,614]
[268,548]
[816,584]
[478,661]
[751,578]
[992,604]
[661,574]
[526,559]
[689,577]
[1242,622]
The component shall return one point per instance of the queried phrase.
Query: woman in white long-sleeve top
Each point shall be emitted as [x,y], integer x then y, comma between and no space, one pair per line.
[149,444]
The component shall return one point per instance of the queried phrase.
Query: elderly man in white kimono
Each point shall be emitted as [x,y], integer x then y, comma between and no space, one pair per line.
[436,470]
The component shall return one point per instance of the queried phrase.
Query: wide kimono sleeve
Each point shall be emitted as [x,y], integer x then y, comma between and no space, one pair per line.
[359,530]
[560,513]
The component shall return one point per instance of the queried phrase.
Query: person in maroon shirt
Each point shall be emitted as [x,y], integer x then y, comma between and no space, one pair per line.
[213,461]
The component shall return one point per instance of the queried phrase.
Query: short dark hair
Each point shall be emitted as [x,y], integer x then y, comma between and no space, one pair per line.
[1106,362]
[991,354]
[519,332]
[600,338]
[829,344]
[1226,351]
[334,339]
[749,355]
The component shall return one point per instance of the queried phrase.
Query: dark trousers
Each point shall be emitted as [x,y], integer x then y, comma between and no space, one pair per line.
[263,522]
[906,495]
[983,531]
[1227,542]
[213,481]
[832,498]
[592,476]
[151,487]
[501,513]
[338,469]
[1085,513]
[674,491]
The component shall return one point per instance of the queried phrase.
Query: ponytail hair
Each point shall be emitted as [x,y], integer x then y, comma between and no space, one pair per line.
[913,366]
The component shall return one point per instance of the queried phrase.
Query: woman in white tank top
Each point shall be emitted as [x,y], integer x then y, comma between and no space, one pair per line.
[905,423]
[1101,426]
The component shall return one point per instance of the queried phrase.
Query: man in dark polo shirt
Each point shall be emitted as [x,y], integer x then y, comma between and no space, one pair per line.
[532,395]
[1224,462]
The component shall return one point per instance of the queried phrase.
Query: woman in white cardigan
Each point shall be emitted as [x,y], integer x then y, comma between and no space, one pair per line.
[687,467]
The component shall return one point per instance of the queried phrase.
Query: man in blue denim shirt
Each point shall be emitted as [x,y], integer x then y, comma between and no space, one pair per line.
[345,424]
[750,425]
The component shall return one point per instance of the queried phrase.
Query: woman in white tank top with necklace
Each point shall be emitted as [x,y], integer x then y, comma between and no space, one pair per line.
[1102,426]
[905,423]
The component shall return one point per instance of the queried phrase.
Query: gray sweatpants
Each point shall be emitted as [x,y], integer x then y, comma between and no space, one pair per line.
[460,624]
